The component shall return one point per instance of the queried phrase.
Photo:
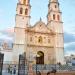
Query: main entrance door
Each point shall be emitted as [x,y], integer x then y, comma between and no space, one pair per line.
[40,57]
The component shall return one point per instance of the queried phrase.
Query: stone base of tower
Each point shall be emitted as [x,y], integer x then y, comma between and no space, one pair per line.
[18,49]
[59,56]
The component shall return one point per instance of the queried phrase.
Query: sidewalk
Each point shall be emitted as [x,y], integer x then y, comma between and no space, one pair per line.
[6,73]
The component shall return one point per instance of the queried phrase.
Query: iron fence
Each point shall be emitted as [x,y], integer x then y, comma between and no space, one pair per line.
[44,68]
[50,67]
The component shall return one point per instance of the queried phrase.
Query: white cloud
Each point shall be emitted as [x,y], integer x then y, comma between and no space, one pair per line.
[7,34]
[5,37]
[68,53]
[69,48]
[68,44]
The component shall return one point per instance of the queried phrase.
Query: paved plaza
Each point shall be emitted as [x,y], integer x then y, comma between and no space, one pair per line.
[6,73]
[58,73]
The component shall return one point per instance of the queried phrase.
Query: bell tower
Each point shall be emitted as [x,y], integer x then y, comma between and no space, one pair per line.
[54,22]
[54,13]
[23,14]
[22,21]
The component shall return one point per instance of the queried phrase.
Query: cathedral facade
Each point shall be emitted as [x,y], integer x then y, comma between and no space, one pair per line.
[43,43]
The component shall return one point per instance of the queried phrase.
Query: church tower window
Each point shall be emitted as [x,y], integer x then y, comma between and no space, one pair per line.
[40,39]
[53,16]
[21,10]
[58,17]
[55,6]
[26,11]
[24,1]
[28,1]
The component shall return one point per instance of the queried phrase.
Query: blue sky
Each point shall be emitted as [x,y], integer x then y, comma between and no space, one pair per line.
[39,9]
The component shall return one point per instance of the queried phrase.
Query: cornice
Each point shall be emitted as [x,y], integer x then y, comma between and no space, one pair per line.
[33,31]
[23,15]
[60,47]
[55,21]
[39,46]
[19,27]
[54,11]
[17,44]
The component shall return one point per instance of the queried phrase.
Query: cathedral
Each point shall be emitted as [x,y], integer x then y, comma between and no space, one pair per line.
[43,43]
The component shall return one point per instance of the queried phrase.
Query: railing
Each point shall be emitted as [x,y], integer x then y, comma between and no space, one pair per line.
[44,68]
[50,67]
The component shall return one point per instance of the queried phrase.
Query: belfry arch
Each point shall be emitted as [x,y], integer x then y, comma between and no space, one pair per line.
[40,57]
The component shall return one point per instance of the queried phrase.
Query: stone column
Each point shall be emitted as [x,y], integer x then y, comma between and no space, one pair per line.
[30,72]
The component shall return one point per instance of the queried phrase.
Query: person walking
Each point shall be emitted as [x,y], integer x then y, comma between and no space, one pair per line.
[14,70]
[9,69]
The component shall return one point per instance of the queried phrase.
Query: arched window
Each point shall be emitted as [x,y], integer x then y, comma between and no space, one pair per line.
[21,10]
[26,11]
[53,16]
[24,1]
[58,17]
[28,1]
[55,6]
[40,39]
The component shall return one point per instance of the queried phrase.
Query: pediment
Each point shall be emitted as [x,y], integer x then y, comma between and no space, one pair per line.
[40,27]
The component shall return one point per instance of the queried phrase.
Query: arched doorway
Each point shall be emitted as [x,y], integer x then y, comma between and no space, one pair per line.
[40,59]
